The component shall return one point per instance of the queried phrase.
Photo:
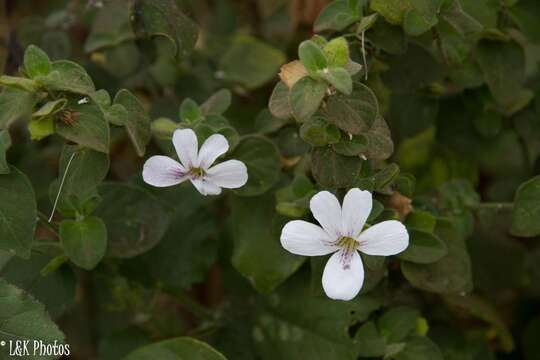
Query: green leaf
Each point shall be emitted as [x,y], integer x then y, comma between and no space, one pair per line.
[18,213]
[421,220]
[312,57]
[452,12]
[336,16]
[164,18]
[111,27]
[306,97]
[24,318]
[279,104]
[15,104]
[388,37]
[379,141]
[55,290]
[351,146]
[370,342]
[503,65]
[398,323]
[392,10]
[415,23]
[178,265]
[218,103]
[419,348]
[415,69]
[190,111]
[250,62]
[317,131]
[68,76]
[19,83]
[36,62]
[452,274]
[354,113]
[217,124]
[263,262]
[40,129]
[181,348]
[527,209]
[483,310]
[88,128]
[263,164]
[339,78]
[138,122]
[5,143]
[117,114]
[337,52]
[299,325]
[135,220]
[333,170]
[84,241]
[87,170]
[424,248]
[50,108]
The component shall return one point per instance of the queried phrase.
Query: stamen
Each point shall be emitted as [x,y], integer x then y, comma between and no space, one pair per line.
[197,173]
[348,247]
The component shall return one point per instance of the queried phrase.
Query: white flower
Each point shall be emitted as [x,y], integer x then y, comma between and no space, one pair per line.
[196,165]
[341,233]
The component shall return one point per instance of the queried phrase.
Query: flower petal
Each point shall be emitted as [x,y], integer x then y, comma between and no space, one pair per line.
[186,145]
[162,171]
[215,146]
[327,210]
[303,238]
[342,282]
[206,187]
[357,206]
[384,239]
[230,174]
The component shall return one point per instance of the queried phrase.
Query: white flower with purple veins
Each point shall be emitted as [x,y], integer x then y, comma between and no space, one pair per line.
[342,234]
[196,165]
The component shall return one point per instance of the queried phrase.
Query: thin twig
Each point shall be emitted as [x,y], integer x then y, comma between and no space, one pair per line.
[61,186]
[363,40]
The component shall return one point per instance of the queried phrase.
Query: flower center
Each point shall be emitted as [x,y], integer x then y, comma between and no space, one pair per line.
[197,173]
[348,247]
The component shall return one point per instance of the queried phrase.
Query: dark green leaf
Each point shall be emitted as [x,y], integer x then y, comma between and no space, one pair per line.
[138,122]
[419,348]
[527,209]
[164,18]
[111,27]
[218,103]
[14,104]
[317,131]
[36,62]
[398,323]
[263,262]
[263,163]
[250,62]
[306,97]
[451,274]
[503,65]
[5,143]
[68,76]
[424,248]
[176,349]
[135,220]
[339,78]
[336,16]
[279,104]
[88,128]
[18,213]
[84,241]
[354,113]
[333,170]
[24,318]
